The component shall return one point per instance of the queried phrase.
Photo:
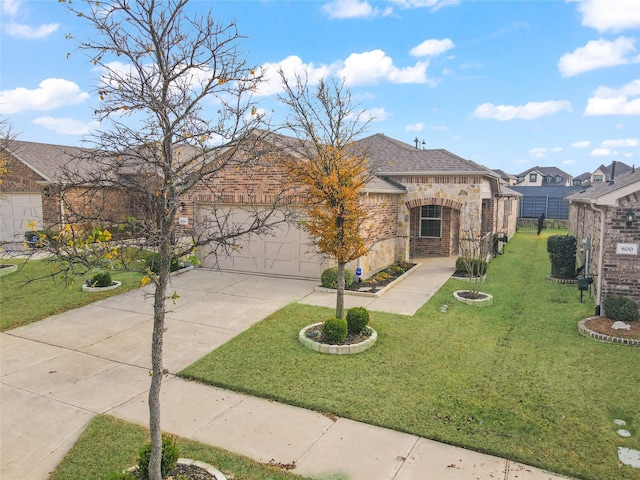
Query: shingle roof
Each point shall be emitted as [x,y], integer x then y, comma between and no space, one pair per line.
[621,184]
[621,168]
[546,171]
[49,160]
[388,156]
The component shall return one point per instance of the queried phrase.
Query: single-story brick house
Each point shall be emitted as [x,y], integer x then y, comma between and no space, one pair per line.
[609,214]
[30,190]
[421,200]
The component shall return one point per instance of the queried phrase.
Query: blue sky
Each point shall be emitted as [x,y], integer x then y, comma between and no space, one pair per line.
[508,84]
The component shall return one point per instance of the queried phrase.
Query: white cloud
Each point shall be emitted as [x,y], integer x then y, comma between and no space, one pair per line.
[431,48]
[374,114]
[581,144]
[10,7]
[556,149]
[568,162]
[598,54]
[292,66]
[610,15]
[372,67]
[414,127]
[529,111]
[353,9]
[624,142]
[433,5]
[66,126]
[538,152]
[52,93]
[602,152]
[26,31]
[609,101]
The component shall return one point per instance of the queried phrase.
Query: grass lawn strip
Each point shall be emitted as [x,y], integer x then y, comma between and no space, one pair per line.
[109,444]
[24,301]
[514,379]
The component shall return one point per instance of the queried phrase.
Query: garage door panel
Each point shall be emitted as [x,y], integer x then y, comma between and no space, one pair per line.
[16,210]
[286,252]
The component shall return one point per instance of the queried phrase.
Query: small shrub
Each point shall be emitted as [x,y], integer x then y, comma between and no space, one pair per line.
[101,279]
[357,319]
[329,278]
[477,266]
[621,308]
[562,253]
[153,263]
[170,455]
[335,330]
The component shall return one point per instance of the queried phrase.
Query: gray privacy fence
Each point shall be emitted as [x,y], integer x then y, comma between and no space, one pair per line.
[536,201]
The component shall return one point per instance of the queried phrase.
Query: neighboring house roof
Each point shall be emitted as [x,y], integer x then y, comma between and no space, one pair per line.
[388,156]
[608,193]
[509,192]
[583,177]
[48,160]
[621,168]
[548,172]
[504,175]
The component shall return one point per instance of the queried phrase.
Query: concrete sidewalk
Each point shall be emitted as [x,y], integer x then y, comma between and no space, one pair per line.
[58,373]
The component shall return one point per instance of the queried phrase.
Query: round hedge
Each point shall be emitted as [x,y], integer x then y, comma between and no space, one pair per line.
[621,308]
[335,330]
[102,279]
[329,278]
[357,319]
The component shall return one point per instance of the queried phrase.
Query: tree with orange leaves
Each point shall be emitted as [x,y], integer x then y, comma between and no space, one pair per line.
[330,168]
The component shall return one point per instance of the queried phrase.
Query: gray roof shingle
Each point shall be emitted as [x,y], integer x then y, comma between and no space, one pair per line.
[604,188]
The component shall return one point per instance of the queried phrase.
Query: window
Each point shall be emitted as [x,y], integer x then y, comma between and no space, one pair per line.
[549,179]
[521,178]
[597,178]
[533,177]
[431,221]
[558,178]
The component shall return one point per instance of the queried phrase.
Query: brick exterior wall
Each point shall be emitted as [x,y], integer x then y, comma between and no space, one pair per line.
[20,178]
[621,273]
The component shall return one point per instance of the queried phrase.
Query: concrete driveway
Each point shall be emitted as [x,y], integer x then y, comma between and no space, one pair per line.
[58,373]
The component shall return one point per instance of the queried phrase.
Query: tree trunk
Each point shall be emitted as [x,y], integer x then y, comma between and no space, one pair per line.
[156,366]
[340,292]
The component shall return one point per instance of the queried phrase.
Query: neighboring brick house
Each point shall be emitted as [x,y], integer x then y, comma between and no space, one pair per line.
[600,213]
[30,190]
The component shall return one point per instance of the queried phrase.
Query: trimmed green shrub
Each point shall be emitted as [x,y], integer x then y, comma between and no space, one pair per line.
[329,278]
[170,455]
[335,330]
[153,261]
[357,319]
[562,253]
[621,308]
[478,266]
[101,279]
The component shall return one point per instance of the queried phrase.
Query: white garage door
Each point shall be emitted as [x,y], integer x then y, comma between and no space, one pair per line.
[16,210]
[284,253]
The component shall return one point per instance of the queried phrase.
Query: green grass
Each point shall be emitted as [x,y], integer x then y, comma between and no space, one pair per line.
[109,444]
[24,301]
[514,379]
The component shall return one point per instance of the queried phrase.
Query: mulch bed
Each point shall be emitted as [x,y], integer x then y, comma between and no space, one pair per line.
[377,282]
[603,325]
[315,334]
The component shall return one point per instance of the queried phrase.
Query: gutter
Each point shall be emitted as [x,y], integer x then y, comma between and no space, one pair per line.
[600,258]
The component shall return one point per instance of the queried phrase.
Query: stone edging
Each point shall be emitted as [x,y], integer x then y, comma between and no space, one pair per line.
[211,470]
[336,349]
[369,294]
[476,302]
[562,280]
[114,284]
[10,268]
[587,332]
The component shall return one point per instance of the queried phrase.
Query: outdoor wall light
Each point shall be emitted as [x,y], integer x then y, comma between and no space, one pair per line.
[630,217]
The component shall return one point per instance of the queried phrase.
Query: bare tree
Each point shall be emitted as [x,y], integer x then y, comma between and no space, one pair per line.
[331,167]
[474,250]
[7,137]
[175,112]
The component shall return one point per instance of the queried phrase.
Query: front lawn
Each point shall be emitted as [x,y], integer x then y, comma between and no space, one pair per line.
[514,379]
[25,301]
[109,445]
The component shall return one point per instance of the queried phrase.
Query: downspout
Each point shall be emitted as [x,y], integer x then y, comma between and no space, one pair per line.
[600,259]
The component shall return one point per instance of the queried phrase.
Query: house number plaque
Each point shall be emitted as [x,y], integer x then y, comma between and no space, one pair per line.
[627,249]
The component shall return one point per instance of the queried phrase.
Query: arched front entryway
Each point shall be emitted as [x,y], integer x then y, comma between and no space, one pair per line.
[434,226]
